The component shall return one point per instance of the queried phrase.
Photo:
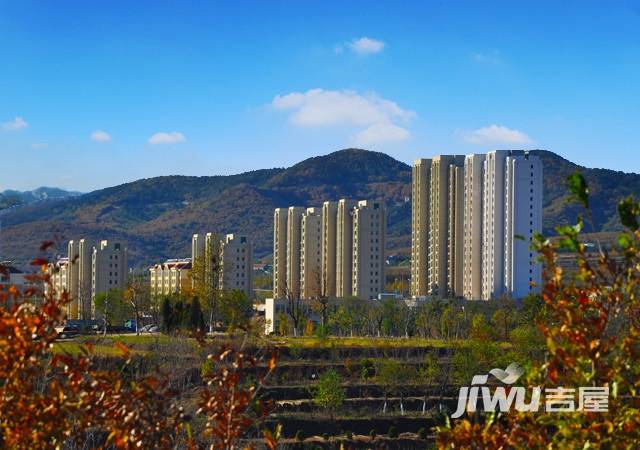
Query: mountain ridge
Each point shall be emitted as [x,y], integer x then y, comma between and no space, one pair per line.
[157,216]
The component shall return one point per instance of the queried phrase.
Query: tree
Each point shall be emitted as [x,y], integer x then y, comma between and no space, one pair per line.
[329,393]
[393,377]
[168,324]
[294,309]
[196,319]
[137,294]
[236,309]
[206,278]
[112,307]
[591,325]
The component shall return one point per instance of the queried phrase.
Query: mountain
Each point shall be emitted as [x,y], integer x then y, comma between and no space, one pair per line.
[157,216]
[9,198]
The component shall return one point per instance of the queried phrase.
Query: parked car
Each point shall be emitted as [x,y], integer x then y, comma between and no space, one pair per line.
[68,332]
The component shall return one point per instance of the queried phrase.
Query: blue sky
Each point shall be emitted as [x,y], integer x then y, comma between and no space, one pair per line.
[94,94]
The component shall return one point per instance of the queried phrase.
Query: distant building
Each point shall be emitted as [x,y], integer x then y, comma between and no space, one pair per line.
[310,257]
[479,207]
[294,220]
[87,271]
[344,248]
[439,242]
[369,232]
[237,264]
[109,268]
[420,188]
[328,240]
[337,251]
[280,219]
[171,277]
[523,218]
[472,255]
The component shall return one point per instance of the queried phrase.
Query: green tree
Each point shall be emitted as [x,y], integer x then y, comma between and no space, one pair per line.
[329,393]
[196,319]
[168,324]
[206,278]
[236,309]
[112,307]
[138,297]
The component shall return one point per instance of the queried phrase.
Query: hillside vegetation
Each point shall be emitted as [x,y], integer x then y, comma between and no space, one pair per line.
[157,216]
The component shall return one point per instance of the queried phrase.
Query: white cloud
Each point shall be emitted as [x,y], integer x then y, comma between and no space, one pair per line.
[100,136]
[379,133]
[366,46]
[39,145]
[321,108]
[16,124]
[495,134]
[162,137]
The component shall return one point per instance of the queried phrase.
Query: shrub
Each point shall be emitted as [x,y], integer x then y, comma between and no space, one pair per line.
[299,436]
[325,436]
[372,433]
[393,432]
[367,369]
[329,393]
[422,433]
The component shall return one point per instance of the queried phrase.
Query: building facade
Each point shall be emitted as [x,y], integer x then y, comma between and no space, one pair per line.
[493,223]
[336,251]
[109,268]
[479,206]
[280,217]
[171,277]
[328,242]
[344,248]
[455,234]
[369,231]
[310,253]
[523,218]
[472,264]
[439,223]
[420,188]
[237,264]
[294,220]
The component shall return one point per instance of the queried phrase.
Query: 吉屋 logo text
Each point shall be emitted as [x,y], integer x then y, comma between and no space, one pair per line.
[559,399]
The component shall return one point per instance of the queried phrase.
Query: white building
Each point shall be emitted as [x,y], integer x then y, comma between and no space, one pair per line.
[493,223]
[523,218]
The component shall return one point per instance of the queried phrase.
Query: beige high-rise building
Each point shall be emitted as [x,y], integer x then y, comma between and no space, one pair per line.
[109,268]
[344,248]
[79,279]
[328,241]
[237,264]
[170,277]
[197,246]
[59,281]
[280,252]
[369,231]
[523,218]
[472,266]
[493,223]
[73,279]
[310,253]
[455,234]
[294,219]
[439,222]
[420,187]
